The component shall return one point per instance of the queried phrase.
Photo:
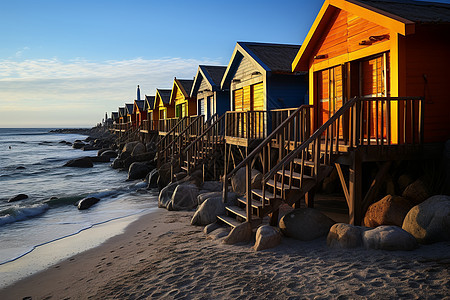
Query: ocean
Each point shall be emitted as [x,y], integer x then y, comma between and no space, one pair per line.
[31,163]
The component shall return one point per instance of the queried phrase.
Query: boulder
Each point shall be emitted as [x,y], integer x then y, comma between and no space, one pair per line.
[212,186]
[429,221]
[138,149]
[152,179]
[219,233]
[416,192]
[99,152]
[87,202]
[238,180]
[165,196]
[99,159]
[18,198]
[129,147]
[389,238]
[179,176]
[20,168]
[138,170]
[164,175]
[184,197]
[305,224]
[404,180]
[240,233]
[208,211]
[83,162]
[117,164]
[391,210]
[78,145]
[267,237]
[89,148]
[203,196]
[211,227]
[109,153]
[345,236]
[147,157]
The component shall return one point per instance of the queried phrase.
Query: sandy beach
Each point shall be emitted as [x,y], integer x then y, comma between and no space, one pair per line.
[162,256]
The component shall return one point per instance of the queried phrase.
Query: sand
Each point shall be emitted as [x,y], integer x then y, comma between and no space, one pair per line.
[162,256]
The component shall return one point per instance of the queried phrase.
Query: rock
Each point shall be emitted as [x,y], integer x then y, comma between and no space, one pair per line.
[389,238]
[147,157]
[416,192]
[18,198]
[429,221]
[305,224]
[164,175]
[87,202]
[240,233]
[208,211]
[62,142]
[219,233]
[117,164]
[184,197]
[83,162]
[89,148]
[179,176]
[109,153]
[195,177]
[78,145]
[343,236]
[99,152]
[99,159]
[203,196]
[238,181]
[165,196]
[404,180]
[129,147]
[391,210]
[152,179]
[211,227]
[138,170]
[212,186]
[330,183]
[20,168]
[267,237]
[138,149]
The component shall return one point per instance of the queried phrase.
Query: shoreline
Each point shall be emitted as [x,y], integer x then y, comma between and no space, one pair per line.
[161,255]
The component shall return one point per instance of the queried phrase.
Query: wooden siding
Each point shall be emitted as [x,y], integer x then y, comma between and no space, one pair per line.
[238,100]
[258,96]
[344,35]
[204,85]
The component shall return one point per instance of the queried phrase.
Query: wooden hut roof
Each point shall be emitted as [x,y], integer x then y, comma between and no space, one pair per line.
[185,86]
[270,58]
[149,102]
[213,76]
[129,108]
[139,104]
[399,16]
[164,95]
[114,115]
[122,111]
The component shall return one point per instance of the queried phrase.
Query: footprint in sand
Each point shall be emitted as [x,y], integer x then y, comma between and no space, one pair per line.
[108,264]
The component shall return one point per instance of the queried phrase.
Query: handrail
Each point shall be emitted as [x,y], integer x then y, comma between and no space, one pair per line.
[204,133]
[266,141]
[171,131]
[191,124]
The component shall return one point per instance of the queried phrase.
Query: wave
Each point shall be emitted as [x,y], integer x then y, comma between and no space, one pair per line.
[16,213]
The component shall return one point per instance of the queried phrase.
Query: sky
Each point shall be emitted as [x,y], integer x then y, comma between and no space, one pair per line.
[66,63]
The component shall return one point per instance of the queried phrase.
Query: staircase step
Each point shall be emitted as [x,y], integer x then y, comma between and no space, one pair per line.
[184,168]
[285,186]
[237,211]
[295,175]
[307,163]
[255,203]
[229,221]
[268,195]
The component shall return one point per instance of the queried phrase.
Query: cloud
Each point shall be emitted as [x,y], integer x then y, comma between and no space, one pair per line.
[21,51]
[81,89]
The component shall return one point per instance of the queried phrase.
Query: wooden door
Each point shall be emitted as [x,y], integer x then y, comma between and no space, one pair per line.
[201,107]
[330,93]
[238,99]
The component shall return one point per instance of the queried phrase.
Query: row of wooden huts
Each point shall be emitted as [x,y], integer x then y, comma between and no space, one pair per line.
[367,86]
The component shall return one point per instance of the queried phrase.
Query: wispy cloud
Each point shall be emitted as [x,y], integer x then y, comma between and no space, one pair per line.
[21,51]
[79,89]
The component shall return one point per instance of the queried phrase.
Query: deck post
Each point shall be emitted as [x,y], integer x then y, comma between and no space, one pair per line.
[248,193]
[355,187]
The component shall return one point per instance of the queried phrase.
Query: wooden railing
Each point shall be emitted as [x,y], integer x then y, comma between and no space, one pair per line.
[206,143]
[246,124]
[166,139]
[149,125]
[293,130]
[122,126]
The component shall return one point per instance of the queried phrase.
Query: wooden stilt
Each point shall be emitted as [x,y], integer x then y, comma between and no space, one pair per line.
[375,186]
[309,198]
[343,183]
[355,186]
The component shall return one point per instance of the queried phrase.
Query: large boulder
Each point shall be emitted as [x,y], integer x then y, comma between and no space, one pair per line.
[416,192]
[211,227]
[267,237]
[212,186]
[184,197]
[109,153]
[343,236]
[138,149]
[165,195]
[129,147]
[83,162]
[78,145]
[389,238]
[391,210]
[152,179]
[238,180]
[117,164]
[99,159]
[147,157]
[164,175]
[429,221]
[87,202]
[202,197]
[305,224]
[240,233]
[208,211]
[138,170]
[18,198]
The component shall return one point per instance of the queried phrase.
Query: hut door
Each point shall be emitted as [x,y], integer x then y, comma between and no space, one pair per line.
[238,100]
[211,107]
[373,84]
[201,107]
[330,93]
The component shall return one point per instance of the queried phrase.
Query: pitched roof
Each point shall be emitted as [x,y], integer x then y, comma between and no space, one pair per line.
[149,102]
[122,111]
[129,108]
[114,115]
[212,74]
[139,104]
[416,11]
[165,95]
[186,85]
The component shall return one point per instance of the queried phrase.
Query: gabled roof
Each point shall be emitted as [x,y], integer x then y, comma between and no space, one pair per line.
[114,115]
[129,108]
[138,104]
[213,76]
[122,112]
[164,95]
[185,86]
[149,102]
[399,16]
[269,58]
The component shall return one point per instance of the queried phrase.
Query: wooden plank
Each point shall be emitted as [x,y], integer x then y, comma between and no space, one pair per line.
[375,186]
[343,183]
[355,190]
[229,221]
[237,211]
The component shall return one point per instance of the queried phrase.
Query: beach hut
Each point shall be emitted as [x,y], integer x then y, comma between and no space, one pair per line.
[164,109]
[184,104]
[130,115]
[377,89]
[211,98]
[151,124]
[260,79]
[139,112]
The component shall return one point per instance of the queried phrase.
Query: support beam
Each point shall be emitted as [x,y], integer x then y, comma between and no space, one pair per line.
[343,183]
[355,187]
[375,186]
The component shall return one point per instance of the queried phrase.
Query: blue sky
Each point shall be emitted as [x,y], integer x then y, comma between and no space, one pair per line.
[66,63]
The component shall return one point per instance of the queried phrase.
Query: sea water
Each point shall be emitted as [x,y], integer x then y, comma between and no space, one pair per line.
[31,163]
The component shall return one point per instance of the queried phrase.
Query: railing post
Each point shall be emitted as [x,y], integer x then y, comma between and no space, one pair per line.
[249,191]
